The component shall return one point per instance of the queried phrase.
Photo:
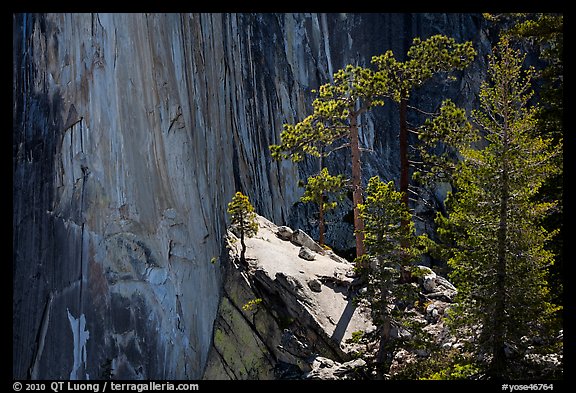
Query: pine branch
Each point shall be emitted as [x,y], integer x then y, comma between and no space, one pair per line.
[337,148]
[415,162]
[421,111]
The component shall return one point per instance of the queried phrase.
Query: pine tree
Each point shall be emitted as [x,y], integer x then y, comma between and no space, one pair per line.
[334,124]
[435,55]
[324,190]
[499,256]
[243,219]
[546,33]
[542,34]
[391,248]
[354,91]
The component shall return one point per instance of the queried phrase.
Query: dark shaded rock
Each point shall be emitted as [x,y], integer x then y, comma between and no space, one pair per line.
[306,253]
[284,233]
[290,343]
[283,370]
[315,285]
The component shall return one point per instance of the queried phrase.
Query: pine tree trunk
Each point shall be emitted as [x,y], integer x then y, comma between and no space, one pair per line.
[404,173]
[405,275]
[386,328]
[356,185]
[321,227]
[242,243]
[384,337]
[243,251]
[499,328]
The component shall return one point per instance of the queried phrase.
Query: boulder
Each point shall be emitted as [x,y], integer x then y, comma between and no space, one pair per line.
[432,312]
[284,233]
[328,369]
[442,282]
[315,285]
[436,287]
[445,296]
[301,238]
[348,370]
[336,258]
[429,282]
[306,253]
[302,314]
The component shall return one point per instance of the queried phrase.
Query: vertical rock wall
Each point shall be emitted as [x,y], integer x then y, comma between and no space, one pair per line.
[131,132]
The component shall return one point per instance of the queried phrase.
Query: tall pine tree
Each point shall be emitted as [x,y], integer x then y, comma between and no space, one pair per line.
[499,256]
[543,36]
[333,124]
[391,247]
[425,59]
[435,55]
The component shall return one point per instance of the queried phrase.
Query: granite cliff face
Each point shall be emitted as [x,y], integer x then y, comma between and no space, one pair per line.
[131,132]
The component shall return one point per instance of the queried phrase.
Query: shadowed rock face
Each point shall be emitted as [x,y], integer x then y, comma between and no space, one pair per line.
[130,135]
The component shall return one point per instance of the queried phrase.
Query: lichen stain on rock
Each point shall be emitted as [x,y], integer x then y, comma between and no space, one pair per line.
[233,332]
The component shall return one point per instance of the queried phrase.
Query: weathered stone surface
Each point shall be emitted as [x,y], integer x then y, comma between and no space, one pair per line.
[335,257]
[429,282]
[327,369]
[301,238]
[235,331]
[296,320]
[306,253]
[435,286]
[284,233]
